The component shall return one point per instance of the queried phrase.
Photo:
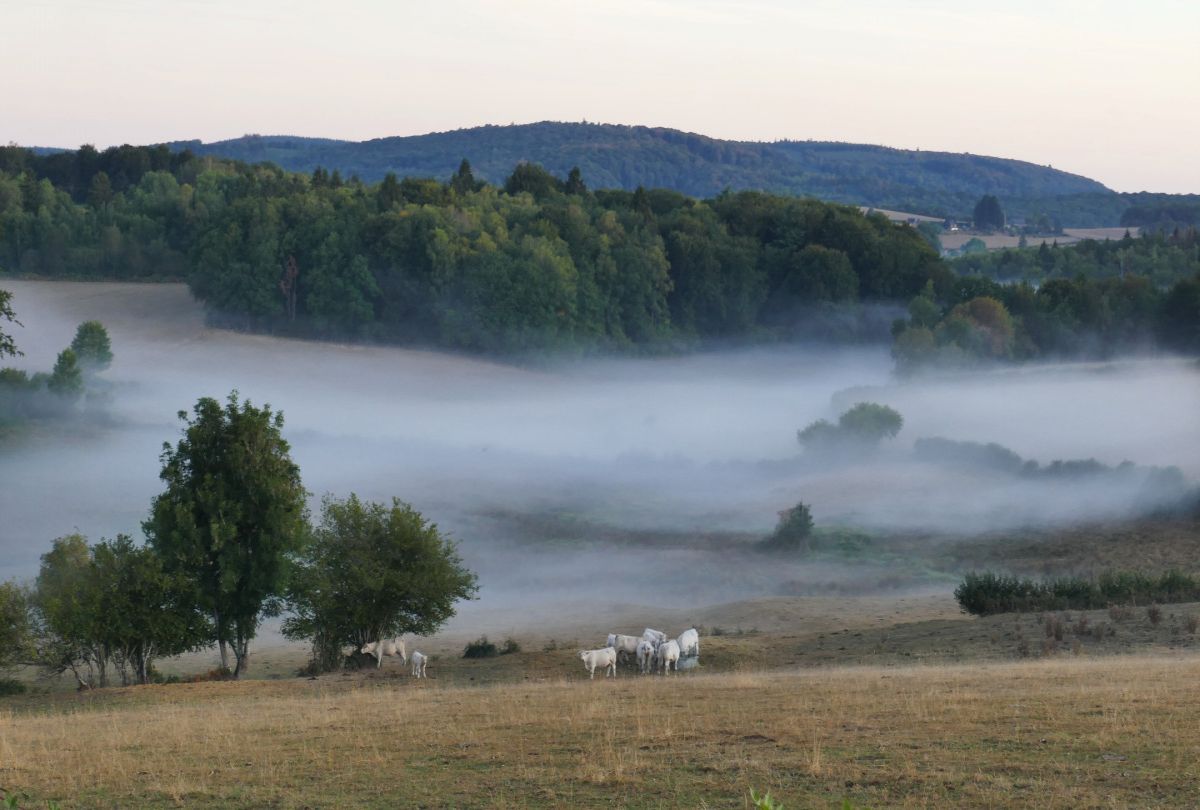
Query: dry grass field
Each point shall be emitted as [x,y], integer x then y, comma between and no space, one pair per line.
[1064,732]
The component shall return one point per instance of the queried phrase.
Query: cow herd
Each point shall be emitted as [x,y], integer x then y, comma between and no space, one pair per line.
[652,651]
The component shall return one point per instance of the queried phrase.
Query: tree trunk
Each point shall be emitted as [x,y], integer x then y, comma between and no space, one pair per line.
[241,650]
[221,640]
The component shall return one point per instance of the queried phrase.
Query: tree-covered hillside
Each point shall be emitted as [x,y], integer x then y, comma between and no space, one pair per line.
[626,157]
[544,262]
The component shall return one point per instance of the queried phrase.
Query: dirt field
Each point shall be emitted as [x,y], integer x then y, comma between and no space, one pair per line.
[1065,732]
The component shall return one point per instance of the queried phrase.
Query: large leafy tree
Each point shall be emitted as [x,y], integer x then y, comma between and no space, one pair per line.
[232,513]
[143,612]
[373,571]
[67,595]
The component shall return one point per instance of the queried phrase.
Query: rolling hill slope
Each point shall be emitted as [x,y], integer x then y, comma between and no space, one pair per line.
[613,156]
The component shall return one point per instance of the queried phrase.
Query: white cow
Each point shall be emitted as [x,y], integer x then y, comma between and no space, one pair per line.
[668,654]
[388,646]
[418,664]
[656,636]
[689,643]
[627,645]
[645,656]
[606,658]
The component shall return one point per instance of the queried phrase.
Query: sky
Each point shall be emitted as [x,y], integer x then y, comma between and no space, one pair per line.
[1100,88]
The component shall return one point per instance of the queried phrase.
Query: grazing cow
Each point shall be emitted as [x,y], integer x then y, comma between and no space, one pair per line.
[689,643]
[624,645]
[418,664]
[388,646]
[655,636]
[668,654]
[606,657]
[645,656]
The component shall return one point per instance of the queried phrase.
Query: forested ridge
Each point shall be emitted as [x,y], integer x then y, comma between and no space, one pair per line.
[615,156]
[542,261]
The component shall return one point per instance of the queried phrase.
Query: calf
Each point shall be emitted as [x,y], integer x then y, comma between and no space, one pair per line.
[606,658]
[418,664]
[689,643]
[668,654]
[645,656]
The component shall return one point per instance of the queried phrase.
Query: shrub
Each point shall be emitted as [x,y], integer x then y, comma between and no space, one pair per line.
[510,647]
[1081,626]
[480,648]
[1154,614]
[793,530]
[11,686]
[1192,623]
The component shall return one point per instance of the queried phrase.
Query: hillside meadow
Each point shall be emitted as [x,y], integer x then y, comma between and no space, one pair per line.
[1067,732]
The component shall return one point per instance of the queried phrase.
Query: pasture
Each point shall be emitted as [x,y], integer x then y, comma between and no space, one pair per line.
[1061,732]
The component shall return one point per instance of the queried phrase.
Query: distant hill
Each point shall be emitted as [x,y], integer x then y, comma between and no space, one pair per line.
[612,156]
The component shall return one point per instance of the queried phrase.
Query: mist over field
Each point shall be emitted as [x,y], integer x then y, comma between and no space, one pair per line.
[659,470]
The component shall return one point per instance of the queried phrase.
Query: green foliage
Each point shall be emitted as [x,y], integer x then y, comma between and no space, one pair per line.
[764,801]
[871,422]
[66,381]
[8,346]
[11,686]
[112,603]
[231,515]
[794,530]
[510,646]
[988,214]
[372,571]
[16,626]
[986,593]
[1081,306]
[860,428]
[92,347]
[538,264]
[480,648]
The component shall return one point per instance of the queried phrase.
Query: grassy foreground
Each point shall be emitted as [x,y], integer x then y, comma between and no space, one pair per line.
[1062,732]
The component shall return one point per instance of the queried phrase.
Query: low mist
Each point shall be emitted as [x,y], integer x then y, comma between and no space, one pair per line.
[661,471]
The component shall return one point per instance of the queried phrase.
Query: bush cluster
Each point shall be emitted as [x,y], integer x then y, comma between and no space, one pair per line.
[986,593]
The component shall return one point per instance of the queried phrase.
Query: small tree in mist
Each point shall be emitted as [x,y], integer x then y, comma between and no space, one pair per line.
[372,571]
[794,530]
[92,348]
[232,514]
[66,380]
[860,428]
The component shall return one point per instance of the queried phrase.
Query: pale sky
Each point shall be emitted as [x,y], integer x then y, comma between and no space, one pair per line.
[1100,88]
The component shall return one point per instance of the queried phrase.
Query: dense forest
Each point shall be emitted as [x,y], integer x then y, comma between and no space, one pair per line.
[538,262]
[625,157]
[543,261]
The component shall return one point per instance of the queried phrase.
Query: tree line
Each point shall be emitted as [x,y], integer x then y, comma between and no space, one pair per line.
[229,542]
[976,320]
[546,262]
[540,261]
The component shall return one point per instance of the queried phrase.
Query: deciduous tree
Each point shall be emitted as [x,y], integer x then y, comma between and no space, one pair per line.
[232,513]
